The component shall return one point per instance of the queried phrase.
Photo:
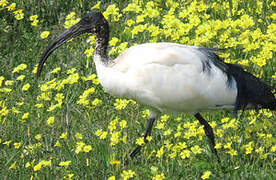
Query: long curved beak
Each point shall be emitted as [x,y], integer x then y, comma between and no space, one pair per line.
[74,31]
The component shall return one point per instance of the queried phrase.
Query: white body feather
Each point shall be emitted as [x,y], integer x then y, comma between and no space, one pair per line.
[167,77]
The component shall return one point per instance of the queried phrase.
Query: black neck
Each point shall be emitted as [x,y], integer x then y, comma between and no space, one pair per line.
[102,40]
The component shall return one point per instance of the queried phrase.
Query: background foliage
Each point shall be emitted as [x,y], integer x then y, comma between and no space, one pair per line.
[63,125]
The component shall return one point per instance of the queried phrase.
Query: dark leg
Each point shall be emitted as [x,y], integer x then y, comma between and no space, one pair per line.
[148,132]
[209,133]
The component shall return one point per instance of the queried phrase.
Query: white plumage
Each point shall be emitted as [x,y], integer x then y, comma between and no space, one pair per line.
[169,77]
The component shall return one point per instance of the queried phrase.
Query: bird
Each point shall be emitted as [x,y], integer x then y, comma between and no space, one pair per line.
[169,77]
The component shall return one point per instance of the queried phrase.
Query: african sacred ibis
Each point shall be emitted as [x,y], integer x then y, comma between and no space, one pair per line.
[169,77]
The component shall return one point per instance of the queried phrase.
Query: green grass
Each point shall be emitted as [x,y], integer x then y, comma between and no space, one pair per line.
[21,44]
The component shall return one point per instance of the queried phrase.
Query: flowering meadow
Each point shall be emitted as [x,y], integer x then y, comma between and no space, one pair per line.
[63,125]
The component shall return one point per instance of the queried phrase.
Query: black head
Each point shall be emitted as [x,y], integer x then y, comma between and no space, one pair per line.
[91,23]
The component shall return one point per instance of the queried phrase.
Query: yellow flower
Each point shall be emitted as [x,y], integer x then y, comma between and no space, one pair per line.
[38,166]
[17,145]
[196,149]
[71,16]
[79,147]
[71,71]
[224,120]
[11,7]
[114,162]
[26,87]
[35,69]
[160,125]
[149,138]
[124,139]
[59,97]
[127,174]
[228,145]
[70,21]
[132,7]
[7,142]
[39,105]
[103,135]
[159,177]
[185,154]
[38,137]
[57,144]
[70,176]
[25,116]
[177,134]
[152,13]
[160,152]
[72,78]
[140,141]
[249,147]
[54,106]
[19,11]
[114,139]
[19,68]
[20,78]
[273,148]
[1,80]
[56,70]
[28,164]
[3,3]
[112,124]
[65,163]
[167,132]
[34,17]
[121,104]
[232,152]
[19,103]
[138,29]
[218,146]
[98,132]
[63,135]
[96,102]
[111,178]
[123,124]
[140,18]
[4,112]
[274,76]
[44,34]
[178,119]
[113,41]
[79,136]
[35,22]
[19,16]
[145,113]
[46,163]
[50,120]
[130,22]
[165,117]
[13,166]
[97,6]
[87,148]
[113,11]
[206,175]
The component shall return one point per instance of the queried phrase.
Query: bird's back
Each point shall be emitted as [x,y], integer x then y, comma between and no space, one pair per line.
[167,54]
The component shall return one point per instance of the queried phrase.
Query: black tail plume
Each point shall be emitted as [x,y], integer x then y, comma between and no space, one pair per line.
[251,90]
